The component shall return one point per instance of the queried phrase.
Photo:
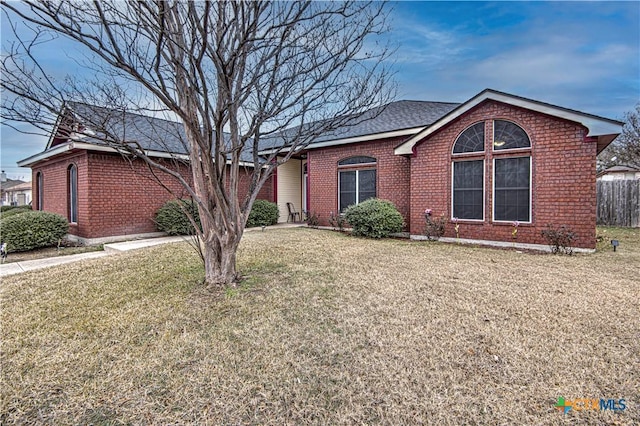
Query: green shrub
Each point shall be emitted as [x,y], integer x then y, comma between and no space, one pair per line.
[374,218]
[8,208]
[263,213]
[172,218]
[12,212]
[32,229]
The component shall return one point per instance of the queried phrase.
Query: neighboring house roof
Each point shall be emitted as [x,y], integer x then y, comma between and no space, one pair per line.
[604,129]
[619,169]
[10,183]
[23,186]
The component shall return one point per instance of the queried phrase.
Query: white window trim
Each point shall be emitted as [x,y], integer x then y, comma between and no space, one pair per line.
[493,189]
[484,191]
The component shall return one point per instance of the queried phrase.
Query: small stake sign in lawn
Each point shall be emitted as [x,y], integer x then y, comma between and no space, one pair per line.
[326,329]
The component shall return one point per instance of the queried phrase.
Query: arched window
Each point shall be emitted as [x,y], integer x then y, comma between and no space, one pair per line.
[511,175]
[39,191]
[361,159]
[471,140]
[356,180]
[72,175]
[508,135]
[468,174]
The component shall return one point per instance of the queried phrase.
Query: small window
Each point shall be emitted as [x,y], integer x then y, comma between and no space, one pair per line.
[508,135]
[512,194]
[356,186]
[471,140]
[39,191]
[357,160]
[356,180]
[73,193]
[468,190]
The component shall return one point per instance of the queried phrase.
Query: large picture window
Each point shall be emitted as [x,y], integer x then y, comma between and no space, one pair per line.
[73,193]
[512,189]
[356,181]
[468,190]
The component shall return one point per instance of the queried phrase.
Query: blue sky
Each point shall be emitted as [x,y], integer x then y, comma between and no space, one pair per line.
[580,55]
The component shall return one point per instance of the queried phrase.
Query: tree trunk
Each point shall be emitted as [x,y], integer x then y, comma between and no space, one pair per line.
[220,262]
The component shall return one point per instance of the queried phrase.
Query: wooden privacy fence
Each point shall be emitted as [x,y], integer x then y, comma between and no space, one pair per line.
[618,202]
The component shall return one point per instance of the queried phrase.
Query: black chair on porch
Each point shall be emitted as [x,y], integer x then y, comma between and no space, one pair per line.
[293,213]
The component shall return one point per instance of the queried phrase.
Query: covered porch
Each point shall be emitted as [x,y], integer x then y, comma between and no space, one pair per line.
[291,190]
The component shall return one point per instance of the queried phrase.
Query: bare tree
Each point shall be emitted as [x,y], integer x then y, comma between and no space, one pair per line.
[239,76]
[625,149]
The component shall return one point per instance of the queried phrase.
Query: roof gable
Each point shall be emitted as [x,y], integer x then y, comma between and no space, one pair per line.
[604,129]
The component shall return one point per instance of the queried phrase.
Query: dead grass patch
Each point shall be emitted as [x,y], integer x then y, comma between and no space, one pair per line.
[325,329]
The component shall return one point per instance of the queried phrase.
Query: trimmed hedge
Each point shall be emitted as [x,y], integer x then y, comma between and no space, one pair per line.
[263,213]
[32,230]
[374,218]
[8,208]
[171,217]
[9,213]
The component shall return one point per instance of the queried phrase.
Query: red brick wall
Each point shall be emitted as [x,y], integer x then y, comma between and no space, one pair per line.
[115,197]
[392,176]
[55,187]
[563,177]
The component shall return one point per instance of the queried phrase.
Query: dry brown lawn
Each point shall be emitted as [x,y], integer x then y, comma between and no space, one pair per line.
[325,329]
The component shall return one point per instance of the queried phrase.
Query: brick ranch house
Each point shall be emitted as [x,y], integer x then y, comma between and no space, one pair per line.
[492,160]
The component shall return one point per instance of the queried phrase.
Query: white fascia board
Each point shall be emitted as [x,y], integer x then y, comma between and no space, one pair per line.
[160,154]
[355,139]
[60,149]
[597,126]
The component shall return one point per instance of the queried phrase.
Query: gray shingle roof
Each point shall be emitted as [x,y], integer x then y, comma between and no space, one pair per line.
[157,134]
[150,133]
[395,116]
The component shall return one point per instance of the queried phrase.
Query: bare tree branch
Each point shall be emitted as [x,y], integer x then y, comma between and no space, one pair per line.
[239,76]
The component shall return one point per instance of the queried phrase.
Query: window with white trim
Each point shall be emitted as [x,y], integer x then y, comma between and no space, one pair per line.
[468,174]
[72,174]
[356,180]
[508,135]
[511,174]
[468,189]
[512,189]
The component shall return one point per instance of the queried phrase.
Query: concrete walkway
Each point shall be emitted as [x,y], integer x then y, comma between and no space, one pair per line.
[7,269]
